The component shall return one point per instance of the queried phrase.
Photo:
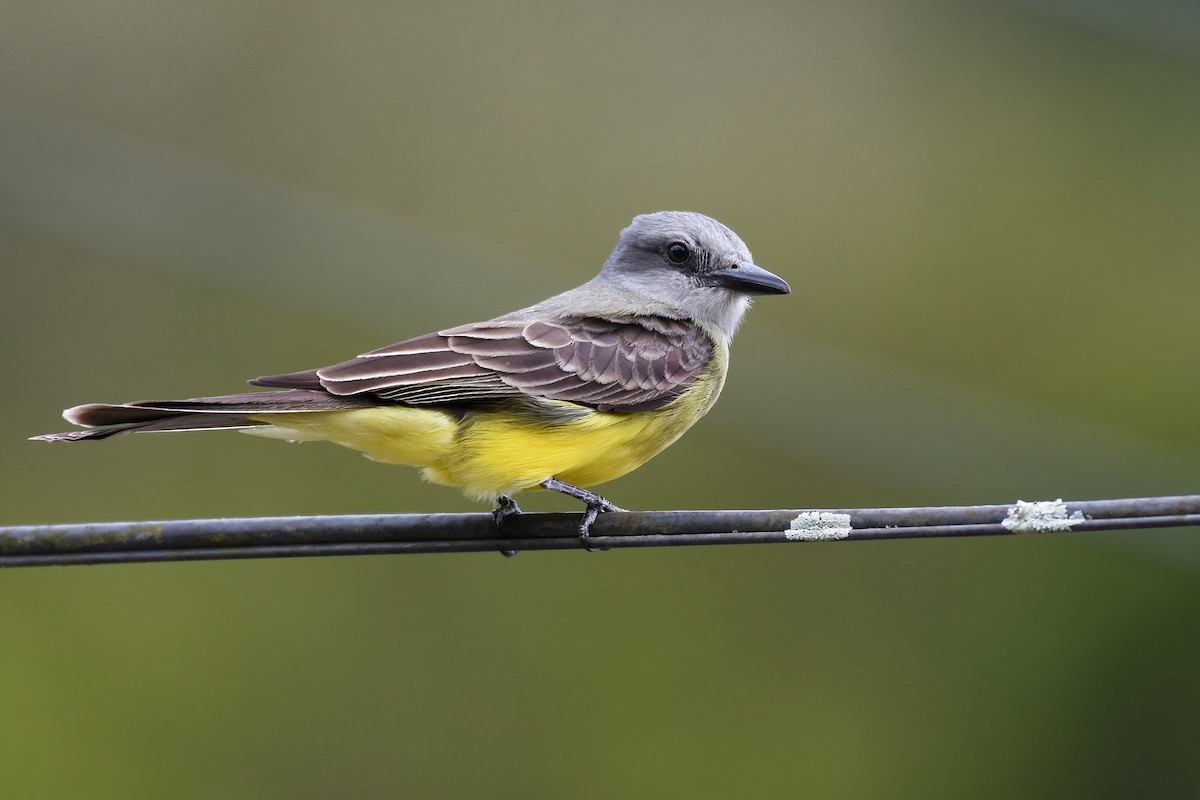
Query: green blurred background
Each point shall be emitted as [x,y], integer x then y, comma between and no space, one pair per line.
[988,214]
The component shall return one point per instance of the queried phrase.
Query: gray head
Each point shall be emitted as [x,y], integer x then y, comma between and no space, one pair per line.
[689,262]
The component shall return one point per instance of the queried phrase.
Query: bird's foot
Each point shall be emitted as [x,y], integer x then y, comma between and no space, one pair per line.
[595,506]
[505,508]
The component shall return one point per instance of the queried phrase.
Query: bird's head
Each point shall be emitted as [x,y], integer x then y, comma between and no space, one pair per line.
[693,264]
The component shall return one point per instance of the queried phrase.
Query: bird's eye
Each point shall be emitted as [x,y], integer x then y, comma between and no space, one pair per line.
[678,252]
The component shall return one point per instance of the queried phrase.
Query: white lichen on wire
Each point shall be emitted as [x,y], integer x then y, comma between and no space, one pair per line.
[1044,516]
[818,526]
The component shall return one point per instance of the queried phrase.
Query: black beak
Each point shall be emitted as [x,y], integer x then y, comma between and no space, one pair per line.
[747,278]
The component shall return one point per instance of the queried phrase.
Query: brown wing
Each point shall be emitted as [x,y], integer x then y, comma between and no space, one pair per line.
[619,364]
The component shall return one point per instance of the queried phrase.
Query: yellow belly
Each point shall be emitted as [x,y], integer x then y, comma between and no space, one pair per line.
[502,454]
[504,450]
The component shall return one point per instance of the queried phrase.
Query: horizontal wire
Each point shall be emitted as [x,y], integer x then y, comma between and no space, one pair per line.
[284,537]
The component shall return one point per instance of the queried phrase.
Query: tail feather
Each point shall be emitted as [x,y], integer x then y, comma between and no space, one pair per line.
[174,422]
[199,413]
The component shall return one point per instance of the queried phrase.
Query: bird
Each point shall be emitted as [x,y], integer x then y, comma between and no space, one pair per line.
[565,394]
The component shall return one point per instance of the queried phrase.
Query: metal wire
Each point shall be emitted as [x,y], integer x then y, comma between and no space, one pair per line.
[282,537]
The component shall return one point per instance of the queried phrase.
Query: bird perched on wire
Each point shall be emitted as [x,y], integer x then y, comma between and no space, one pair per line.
[571,392]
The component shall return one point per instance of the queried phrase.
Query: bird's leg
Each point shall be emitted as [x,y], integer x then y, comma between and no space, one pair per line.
[595,505]
[505,507]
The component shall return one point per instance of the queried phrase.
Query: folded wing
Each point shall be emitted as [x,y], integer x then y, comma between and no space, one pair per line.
[611,363]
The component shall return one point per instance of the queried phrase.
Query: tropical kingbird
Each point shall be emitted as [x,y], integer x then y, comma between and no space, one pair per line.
[573,391]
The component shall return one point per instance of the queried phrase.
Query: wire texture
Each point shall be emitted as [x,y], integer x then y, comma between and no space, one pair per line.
[280,537]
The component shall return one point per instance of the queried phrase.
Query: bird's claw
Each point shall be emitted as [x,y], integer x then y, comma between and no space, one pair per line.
[595,506]
[594,509]
[505,508]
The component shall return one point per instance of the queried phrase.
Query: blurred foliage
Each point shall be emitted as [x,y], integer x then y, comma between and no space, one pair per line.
[986,213]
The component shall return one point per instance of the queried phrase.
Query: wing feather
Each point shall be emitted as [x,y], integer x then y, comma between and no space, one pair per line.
[621,363]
